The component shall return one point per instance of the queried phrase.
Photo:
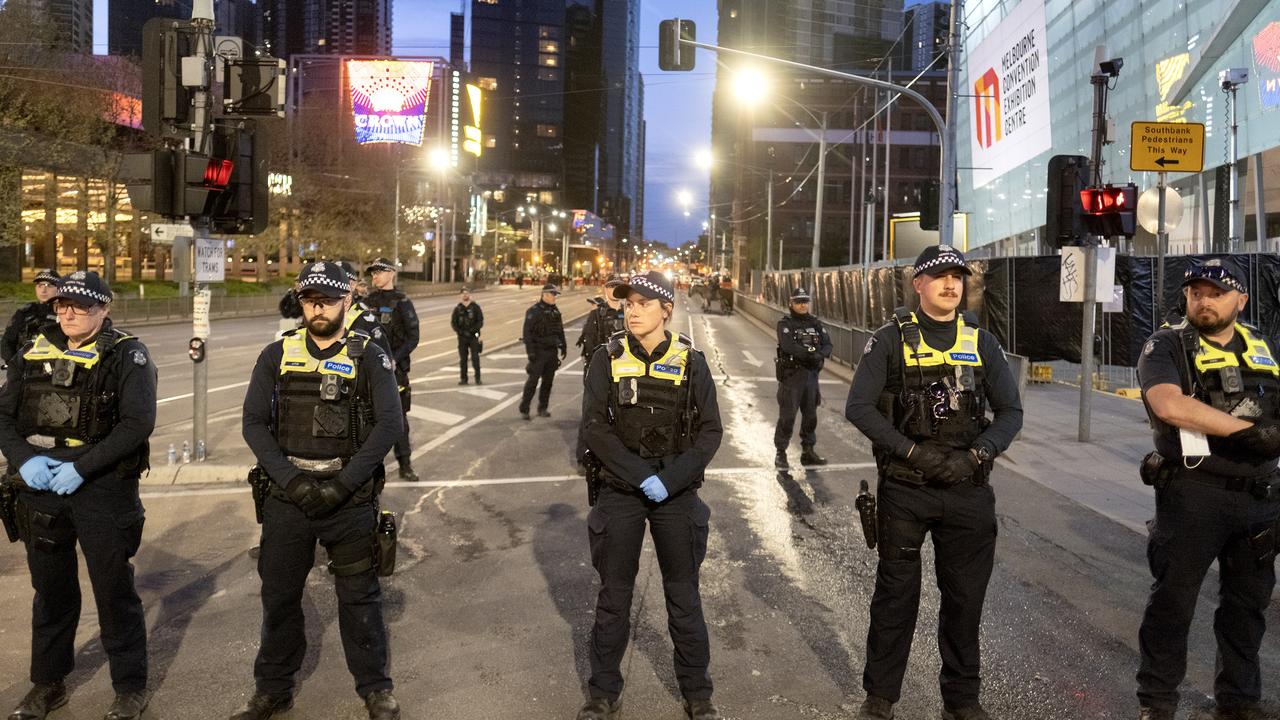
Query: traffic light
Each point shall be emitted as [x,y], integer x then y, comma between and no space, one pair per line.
[242,208]
[930,197]
[1064,222]
[672,55]
[166,102]
[148,178]
[200,180]
[1110,210]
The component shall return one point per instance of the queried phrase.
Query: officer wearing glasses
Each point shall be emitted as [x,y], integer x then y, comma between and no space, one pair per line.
[1211,385]
[921,394]
[79,469]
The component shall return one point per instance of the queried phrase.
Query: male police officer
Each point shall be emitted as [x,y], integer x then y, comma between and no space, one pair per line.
[467,320]
[1217,500]
[320,414]
[545,346]
[920,394]
[359,317]
[803,346]
[602,323]
[30,319]
[75,416]
[400,323]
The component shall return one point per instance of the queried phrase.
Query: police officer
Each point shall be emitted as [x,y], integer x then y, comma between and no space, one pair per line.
[545,346]
[31,318]
[467,320]
[1217,500]
[650,416]
[359,317]
[320,413]
[921,394]
[803,347]
[400,323]
[602,323]
[75,416]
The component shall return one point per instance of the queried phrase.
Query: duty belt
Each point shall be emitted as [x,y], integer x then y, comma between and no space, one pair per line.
[323,465]
[48,442]
[1265,487]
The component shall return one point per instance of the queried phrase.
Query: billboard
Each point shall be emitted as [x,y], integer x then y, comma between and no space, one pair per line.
[1009,74]
[389,99]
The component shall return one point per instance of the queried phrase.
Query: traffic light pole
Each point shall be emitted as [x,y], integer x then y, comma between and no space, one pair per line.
[201,129]
[1089,301]
[1162,240]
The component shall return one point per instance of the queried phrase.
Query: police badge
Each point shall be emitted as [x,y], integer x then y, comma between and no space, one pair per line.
[139,358]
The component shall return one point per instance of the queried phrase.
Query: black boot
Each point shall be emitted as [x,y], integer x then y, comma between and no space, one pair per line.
[701,710]
[478,379]
[40,700]
[875,708]
[544,413]
[973,712]
[406,472]
[809,456]
[382,705]
[1150,713]
[780,460]
[128,706]
[598,709]
[262,706]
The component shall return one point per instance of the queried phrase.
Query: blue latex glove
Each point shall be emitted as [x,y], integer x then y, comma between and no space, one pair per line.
[654,489]
[37,472]
[66,479]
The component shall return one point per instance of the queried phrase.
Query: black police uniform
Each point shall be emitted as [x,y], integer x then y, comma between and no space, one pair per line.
[949,400]
[544,345]
[644,424]
[599,326]
[803,346]
[330,415]
[26,323]
[1221,507]
[467,320]
[399,322]
[94,406]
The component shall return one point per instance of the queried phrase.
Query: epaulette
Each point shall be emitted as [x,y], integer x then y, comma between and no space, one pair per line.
[970,318]
[615,344]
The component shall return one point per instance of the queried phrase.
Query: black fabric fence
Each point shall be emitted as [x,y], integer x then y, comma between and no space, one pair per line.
[1016,298]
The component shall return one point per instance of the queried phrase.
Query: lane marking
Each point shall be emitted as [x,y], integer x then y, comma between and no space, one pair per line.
[484,392]
[439,417]
[220,388]
[751,359]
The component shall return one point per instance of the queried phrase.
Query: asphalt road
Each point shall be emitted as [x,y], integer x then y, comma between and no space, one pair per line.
[490,607]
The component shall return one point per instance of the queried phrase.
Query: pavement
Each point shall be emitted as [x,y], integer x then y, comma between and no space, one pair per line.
[491,605]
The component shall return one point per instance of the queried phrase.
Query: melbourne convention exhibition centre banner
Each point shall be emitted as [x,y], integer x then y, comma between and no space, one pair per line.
[389,99]
[1009,72]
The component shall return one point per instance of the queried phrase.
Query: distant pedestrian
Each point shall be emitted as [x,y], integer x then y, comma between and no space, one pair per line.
[545,347]
[467,320]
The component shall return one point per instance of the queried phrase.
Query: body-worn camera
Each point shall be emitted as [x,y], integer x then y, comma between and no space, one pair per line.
[64,373]
[330,388]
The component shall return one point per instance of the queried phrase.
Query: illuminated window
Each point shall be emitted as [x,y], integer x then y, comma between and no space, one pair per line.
[490,141]
[548,131]
[547,198]
[548,74]
[548,31]
[487,83]
[549,46]
[488,2]
[548,60]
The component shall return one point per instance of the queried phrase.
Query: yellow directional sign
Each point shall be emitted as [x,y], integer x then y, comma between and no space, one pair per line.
[1166,147]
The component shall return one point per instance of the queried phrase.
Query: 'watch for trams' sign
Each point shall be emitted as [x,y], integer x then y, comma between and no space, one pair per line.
[211,260]
[1009,80]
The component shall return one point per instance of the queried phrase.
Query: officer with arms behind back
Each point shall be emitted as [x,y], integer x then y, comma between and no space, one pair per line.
[803,347]
[544,345]
[75,416]
[650,416]
[1218,499]
[30,319]
[467,321]
[400,324]
[920,394]
[320,414]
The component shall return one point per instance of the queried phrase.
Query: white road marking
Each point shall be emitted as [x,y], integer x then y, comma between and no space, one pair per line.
[506,356]
[484,392]
[752,359]
[439,417]
[220,388]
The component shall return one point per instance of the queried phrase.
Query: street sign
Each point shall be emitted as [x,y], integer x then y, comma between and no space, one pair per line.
[1149,210]
[211,260]
[1166,147]
[164,233]
[1071,274]
[200,313]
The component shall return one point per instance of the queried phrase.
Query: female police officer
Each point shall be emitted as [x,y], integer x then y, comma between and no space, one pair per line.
[650,417]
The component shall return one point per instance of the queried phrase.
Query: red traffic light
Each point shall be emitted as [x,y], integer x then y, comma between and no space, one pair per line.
[1104,200]
[217,174]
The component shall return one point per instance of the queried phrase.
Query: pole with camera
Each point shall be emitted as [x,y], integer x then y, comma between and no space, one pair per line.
[1230,80]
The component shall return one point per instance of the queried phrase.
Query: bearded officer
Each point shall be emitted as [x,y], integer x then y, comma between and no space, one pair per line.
[803,347]
[320,414]
[1211,385]
[921,394]
[400,324]
[30,319]
[81,467]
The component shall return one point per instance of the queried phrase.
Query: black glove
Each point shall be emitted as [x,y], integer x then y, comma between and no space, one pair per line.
[562,352]
[959,467]
[929,459]
[1260,442]
[317,498]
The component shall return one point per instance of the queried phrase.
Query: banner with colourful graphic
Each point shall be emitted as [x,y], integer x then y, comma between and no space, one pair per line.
[1266,61]
[1009,76]
[389,99]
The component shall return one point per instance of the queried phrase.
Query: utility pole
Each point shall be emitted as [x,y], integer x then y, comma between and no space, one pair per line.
[822,181]
[947,186]
[888,153]
[768,225]
[201,127]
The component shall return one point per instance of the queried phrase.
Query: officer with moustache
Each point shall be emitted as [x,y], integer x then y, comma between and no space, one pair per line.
[320,413]
[545,346]
[921,394]
[803,347]
[399,323]
[75,416]
[1211,385]
[650,416]
[31,318]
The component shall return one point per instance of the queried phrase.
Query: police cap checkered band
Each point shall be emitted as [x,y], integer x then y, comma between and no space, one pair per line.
[799,295]
[326,278]
[47,275]
[1213,271]
[652,284]
[937,258]
[381,264]
[350,270]
[551,288]
[84,288]
[613,281]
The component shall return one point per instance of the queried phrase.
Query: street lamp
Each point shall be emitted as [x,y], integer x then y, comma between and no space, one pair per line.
[750,85]
[703,159]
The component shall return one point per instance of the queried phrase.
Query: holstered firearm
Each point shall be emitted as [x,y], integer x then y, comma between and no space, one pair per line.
[260,485]
[9,486]
[1156,471]
[866,505]
[594,479]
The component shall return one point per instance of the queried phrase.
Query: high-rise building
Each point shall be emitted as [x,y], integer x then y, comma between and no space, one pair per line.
[125,19]
[925,29]
[237,18]
[74,21]
[328,27]
[457,39]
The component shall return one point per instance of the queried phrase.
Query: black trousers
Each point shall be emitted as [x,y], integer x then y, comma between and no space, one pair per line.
[797,390]
[105,517]
[679,530]
[962,521]
[286,558]
[1194,525]
[402,449]
[541,368]
[469,345]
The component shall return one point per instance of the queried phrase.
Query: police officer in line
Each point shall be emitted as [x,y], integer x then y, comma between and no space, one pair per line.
[544,345]
[467,320]
[30,319]
[803,347]
[921,394]
[359,317]
[320,414]
[400,323]
[650,417]
[75,416]
[602,323]
[1213,376]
